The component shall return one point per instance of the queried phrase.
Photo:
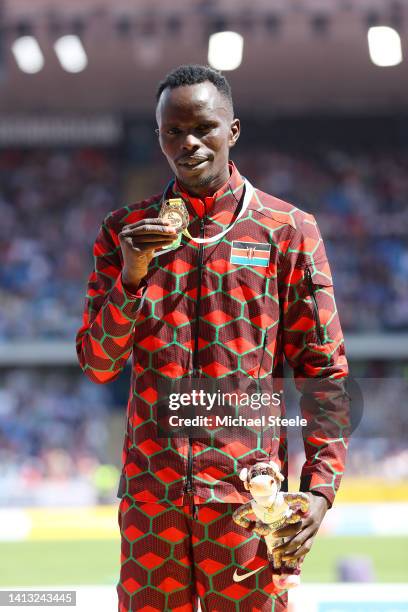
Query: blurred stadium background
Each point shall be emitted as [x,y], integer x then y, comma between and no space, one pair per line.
[325,125]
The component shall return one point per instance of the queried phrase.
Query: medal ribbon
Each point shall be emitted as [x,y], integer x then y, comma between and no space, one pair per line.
[249,192]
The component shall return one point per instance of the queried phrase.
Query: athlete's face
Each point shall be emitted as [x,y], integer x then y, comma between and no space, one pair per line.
[196,130]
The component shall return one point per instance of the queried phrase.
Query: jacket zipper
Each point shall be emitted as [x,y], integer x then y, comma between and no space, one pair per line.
[196,369]
[315,306]
[258,379]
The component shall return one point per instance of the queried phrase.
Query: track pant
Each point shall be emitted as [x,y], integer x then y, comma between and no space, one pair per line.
[174,556]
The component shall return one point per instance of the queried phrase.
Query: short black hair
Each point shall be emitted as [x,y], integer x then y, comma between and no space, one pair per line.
[191,74]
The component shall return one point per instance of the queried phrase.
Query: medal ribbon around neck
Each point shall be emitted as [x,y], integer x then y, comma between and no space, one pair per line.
[249,192]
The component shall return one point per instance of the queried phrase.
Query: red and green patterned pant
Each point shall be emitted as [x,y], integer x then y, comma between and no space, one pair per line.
[173,556]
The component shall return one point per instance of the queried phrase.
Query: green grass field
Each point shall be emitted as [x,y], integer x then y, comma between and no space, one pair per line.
[82,562]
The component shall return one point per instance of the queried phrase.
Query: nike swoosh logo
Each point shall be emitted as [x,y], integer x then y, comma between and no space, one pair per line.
[237,577]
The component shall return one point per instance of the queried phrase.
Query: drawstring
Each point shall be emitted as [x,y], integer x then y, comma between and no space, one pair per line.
[195,511]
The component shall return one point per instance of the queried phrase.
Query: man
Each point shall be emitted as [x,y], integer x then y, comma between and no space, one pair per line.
[251,286]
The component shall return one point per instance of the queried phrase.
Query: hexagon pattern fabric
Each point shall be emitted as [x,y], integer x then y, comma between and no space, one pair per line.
[249,319]
[169,559]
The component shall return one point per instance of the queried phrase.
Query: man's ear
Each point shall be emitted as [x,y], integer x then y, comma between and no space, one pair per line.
[157,132]
[235,130]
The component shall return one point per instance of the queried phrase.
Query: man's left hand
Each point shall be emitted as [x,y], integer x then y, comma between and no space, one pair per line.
[302,533]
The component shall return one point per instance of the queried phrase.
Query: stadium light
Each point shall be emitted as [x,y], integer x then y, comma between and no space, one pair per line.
[225,50]
[28,54]
[384,44]
[71,53]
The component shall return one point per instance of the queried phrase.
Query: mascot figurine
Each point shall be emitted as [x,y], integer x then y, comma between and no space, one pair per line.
[271,510]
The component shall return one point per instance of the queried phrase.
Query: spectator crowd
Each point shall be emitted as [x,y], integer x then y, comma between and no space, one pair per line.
[53,201]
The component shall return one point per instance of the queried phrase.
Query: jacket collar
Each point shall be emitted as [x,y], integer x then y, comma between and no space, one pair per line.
[223,203]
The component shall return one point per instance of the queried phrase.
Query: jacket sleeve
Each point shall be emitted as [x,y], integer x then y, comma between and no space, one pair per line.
[105,340]
[314,347]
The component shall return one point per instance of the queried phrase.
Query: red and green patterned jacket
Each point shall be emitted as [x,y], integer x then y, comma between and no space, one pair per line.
[199,313]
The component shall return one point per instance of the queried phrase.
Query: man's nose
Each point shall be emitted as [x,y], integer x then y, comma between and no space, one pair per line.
[190,142]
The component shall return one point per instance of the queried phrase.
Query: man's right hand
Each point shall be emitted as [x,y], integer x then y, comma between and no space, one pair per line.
[138,242]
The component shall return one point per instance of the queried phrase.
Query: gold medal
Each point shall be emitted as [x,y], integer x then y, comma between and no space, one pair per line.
[175,211]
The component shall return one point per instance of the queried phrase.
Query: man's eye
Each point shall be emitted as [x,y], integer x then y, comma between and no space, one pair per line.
[204,129]
[173,131]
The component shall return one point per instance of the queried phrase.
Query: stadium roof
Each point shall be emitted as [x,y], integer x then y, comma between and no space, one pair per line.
[299,55]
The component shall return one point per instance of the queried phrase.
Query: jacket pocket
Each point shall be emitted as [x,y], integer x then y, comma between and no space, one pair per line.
[315,281]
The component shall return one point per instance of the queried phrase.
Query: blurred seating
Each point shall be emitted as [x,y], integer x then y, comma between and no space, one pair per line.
[53,201]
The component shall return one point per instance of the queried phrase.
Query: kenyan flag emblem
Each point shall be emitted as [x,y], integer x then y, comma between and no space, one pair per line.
[250,253]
